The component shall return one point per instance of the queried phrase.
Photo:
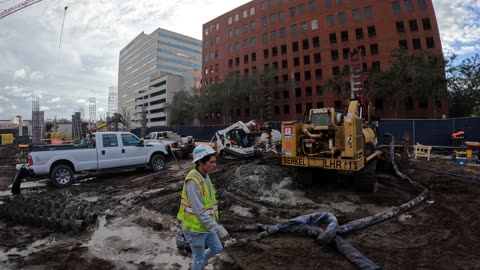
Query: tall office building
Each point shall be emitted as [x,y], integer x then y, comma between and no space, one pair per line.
[309,42]
[160,51]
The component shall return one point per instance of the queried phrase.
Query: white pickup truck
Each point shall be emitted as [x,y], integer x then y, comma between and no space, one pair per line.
[112,151]
[181,145]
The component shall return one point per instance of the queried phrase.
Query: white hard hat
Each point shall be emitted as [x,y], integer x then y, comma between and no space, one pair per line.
[202,150]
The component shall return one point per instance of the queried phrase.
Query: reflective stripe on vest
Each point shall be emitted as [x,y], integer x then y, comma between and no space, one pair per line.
[186,215]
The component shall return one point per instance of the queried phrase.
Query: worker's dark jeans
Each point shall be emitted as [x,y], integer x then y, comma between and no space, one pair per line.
[197,242]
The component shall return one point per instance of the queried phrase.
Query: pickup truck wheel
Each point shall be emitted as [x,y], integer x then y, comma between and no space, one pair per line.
[62,176]
[158,163]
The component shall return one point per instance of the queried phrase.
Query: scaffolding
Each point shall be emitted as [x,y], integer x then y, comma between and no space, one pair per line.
[37,121]
[92,109]
[112,101]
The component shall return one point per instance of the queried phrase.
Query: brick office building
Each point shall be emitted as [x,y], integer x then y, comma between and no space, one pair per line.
[308,42]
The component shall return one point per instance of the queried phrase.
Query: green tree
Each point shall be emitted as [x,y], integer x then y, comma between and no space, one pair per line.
[410,76]
[186,106]
[464,87]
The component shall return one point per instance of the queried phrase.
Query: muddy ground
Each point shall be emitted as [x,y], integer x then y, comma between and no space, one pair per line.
[136,225]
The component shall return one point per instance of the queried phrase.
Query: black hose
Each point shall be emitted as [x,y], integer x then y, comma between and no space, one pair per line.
[446,173]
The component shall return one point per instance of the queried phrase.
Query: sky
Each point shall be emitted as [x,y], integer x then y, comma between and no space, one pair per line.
[64,75]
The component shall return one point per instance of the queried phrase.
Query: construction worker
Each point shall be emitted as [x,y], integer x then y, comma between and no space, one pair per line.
[198,212]
[89,142]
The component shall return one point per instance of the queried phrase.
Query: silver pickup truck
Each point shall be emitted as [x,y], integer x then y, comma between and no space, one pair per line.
[111,151]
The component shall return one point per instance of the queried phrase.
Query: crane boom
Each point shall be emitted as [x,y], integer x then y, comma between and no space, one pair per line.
[18,7]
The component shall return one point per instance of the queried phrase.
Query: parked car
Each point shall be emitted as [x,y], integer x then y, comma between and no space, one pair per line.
[111,151]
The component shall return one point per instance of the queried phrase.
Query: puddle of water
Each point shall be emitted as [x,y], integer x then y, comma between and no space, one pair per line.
[124,244]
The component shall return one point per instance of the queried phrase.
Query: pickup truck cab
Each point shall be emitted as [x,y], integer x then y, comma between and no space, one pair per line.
[180,145]
[111,151]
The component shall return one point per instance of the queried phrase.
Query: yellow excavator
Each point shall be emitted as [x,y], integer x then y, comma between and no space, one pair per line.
[334,140]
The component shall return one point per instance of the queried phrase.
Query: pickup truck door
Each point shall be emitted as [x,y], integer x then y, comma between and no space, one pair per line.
[132,152]
[109,152]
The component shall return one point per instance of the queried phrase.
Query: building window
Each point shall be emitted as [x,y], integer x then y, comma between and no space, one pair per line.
[314,24]
[328,3]
[376,66]
[400,27]
[274,51]
[301,9]
[292,12]
[333,38]
[298,92]
[245,28]
[298,108]
[422,4]
[319,104]
[286,109]
[308,77]
[330,20]
[316,42]
[318,76]
[271,3]
[285,79]
[263,6]
[265,38]
[346,53]
[426,24]
[336,71]
[264,20]
[265,53]
[277,110]
[305,45]
[282,32]
[245,44]
[237,46]
[284,63]
[341,18]
[237,61]
[416,43]
[409,5]
[368,12]
[306,59]
[252,11]
[295,46]
[230,49]
[252,26]
[403,44]
[293,29]
[344,36]
[374,49]
[413,25]
[281,16]
[308,93]
[317,58]
[254,57]
[356,14]
[362,50]
[237,31]
[245,13]
[283,49]
[230,20]
[286,93]
[245,59]
[312,5]
[430,42]
[297,76]
[396,7]
[303,27]
[359,33]
[236,17]
[372,32]
[296,61]
[272,18]
[273,35]
[253,41]
[334,54]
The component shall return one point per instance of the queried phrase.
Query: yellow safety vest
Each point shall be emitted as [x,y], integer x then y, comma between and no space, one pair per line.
[189,220]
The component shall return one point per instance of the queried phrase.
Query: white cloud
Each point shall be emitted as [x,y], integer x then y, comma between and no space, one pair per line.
[36,76]
[53,100]
[20,74]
